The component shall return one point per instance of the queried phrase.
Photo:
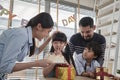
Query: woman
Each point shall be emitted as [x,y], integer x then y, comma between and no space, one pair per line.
[17,43]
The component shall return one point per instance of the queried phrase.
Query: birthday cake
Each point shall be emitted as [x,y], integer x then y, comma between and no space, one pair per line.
[56,58]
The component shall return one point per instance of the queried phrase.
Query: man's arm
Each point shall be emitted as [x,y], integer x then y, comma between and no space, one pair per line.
[100,59]
[71,48]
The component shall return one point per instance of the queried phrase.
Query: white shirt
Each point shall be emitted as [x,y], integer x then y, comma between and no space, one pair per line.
[80,65]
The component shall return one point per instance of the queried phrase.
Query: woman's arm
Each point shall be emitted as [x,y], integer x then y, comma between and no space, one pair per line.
[44,45]
[46,42]
[37,63]
[48,69]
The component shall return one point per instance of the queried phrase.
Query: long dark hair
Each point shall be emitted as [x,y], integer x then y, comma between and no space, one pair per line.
[45,20]
[59,36]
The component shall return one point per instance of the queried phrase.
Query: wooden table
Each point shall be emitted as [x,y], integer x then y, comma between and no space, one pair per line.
[76,78]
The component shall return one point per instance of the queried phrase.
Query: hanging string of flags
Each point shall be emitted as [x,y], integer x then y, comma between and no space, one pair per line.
[1,7]
[4,11]
[69,20]
[24,22]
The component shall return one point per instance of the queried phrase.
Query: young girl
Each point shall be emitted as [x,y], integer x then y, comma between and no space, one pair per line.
[85,63]
[59,41]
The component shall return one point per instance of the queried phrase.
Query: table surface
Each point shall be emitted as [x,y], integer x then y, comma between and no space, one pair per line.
[76,78]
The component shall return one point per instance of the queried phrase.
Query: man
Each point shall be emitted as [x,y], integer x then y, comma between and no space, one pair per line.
[79,40]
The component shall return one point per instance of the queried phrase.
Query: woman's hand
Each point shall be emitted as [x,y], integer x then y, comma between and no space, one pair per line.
[43,63]
[48,69]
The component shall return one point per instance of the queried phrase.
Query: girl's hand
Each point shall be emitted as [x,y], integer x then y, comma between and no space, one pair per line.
[58,52]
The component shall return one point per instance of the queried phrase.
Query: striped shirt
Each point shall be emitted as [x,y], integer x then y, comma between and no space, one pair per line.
[77,44]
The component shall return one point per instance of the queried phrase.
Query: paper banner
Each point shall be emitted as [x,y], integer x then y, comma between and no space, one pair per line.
[11,15]
[69,20]
[24,22]
[6,12]
[1,7]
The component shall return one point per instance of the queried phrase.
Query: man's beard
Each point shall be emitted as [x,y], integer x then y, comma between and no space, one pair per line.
[88,38]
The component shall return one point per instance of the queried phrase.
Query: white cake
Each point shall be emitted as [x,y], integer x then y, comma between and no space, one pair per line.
[56,58]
